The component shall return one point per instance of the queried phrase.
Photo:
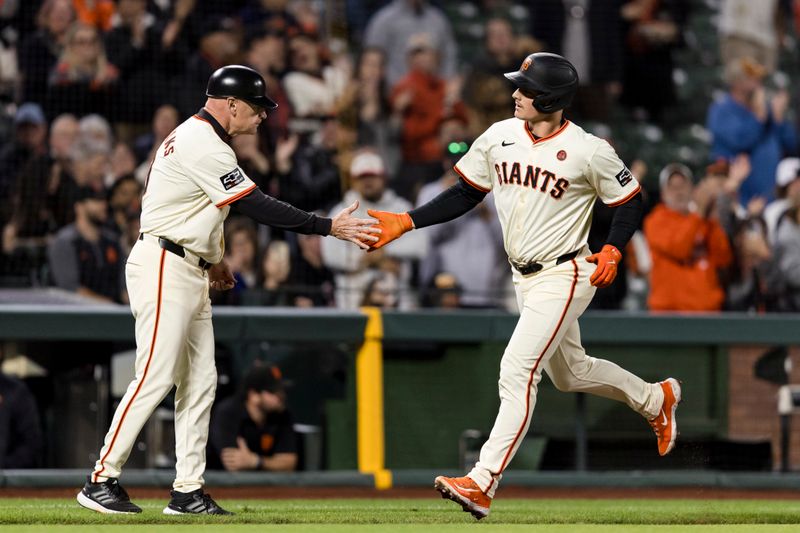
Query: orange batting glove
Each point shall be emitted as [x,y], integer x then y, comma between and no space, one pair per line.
[392,226]
[607,261]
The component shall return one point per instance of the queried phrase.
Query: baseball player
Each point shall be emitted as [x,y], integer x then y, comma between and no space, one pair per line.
[193,183]
[545,172]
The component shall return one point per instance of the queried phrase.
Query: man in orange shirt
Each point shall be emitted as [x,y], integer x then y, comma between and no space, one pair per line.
[687,248]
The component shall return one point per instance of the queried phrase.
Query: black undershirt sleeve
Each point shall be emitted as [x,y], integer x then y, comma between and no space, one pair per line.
[267,210]
[450,204]
[625,222]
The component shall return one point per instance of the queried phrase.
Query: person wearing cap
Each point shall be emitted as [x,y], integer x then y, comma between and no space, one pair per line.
[85,257]
[747,121]
[687,248]
[787,180]
[30,141]
[354,270]
[253,429]
[194,181]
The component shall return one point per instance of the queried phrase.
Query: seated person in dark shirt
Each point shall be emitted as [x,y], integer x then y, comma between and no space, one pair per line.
[252,430]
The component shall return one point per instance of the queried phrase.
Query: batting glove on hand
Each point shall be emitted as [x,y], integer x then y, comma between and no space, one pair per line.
[607,261]
[392,226]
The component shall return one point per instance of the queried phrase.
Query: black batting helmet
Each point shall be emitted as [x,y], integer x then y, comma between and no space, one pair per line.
[238,81]
[550,77]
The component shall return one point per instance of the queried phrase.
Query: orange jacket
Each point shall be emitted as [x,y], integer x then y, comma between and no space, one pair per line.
[96,13]
[424,115]
[687,250]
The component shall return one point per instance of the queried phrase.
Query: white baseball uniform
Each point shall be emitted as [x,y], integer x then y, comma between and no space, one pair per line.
[193,179]
[544,190]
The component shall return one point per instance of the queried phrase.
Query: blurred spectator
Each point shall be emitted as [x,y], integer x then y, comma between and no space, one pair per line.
[747,121]
[787,248]
[382,290]
[38,52]
[165,119]
[97,130]
[749,29]
[589,34]
[365,109]
[253,161]
[269,15]
[83,81]
[134,47]
[272,288]
[352,267]
[90,163]
[424,101]
[124,202]
[84,257]
[312,284]
[486,91]
[123,163]
[97,13]
[392,27]
[266,53]
[241,247]
[653,31]
[787,179]
[687,248]
[308,167]
[21,440]
[756,283]
[30,136]
[312,84]
[469,249]
[444,292]
[253,430]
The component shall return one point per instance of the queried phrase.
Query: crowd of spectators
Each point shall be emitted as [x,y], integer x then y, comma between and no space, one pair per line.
[376,102]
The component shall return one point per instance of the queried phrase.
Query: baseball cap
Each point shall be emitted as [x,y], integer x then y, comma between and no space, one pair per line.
[264,378]
[418,42]
[30,113]
[788,171]
[367,164]
[672,169]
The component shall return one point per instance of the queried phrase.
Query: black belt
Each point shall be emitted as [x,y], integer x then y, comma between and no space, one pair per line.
[178,250]
[534,267]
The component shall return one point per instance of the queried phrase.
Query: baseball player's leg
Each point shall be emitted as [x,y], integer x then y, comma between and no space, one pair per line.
[194,396]
[552,301]
[162,319]
[571,369]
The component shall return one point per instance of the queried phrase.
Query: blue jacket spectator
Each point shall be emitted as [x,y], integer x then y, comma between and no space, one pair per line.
[745,121]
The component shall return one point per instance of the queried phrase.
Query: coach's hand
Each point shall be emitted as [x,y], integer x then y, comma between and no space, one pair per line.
[361,231]
[607,261]
[392,226]
[220,277]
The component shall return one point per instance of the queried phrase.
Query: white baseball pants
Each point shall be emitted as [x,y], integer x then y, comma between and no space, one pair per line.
[174,347]
[547,337]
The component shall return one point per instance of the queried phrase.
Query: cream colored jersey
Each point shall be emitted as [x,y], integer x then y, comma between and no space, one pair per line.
[192,182]
[545,188]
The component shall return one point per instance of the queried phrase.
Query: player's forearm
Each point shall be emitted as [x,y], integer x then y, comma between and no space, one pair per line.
[450,204]
[625,222]
[280,462]
[271,212]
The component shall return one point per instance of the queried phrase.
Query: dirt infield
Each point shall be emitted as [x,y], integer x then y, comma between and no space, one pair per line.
[282,493]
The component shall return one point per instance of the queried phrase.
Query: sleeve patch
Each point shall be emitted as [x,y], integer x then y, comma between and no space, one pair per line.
[624,177]
[235,177]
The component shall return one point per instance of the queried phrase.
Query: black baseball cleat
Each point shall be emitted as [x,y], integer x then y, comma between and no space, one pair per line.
[107,497]
[195,502]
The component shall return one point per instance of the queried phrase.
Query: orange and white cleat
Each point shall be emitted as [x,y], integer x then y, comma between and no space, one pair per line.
[466,492]
[665,425]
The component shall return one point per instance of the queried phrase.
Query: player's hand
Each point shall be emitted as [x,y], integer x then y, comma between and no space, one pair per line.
[392,226]
[607,261]
[239,458]
[220,277]
[360,231]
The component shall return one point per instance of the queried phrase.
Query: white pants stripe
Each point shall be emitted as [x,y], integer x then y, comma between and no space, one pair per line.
[174,347]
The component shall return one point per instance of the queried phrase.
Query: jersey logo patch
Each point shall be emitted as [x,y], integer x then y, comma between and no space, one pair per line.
[561,155]
[235,177]
[506,144]
[624,177]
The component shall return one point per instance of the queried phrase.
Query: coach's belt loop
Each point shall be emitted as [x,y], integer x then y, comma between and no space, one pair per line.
[178,250]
